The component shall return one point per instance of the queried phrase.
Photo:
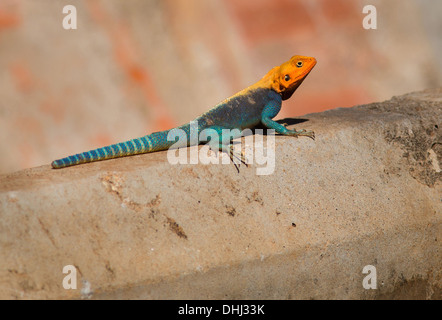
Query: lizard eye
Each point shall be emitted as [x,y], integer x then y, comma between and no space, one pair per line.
[299,64]
[287,77]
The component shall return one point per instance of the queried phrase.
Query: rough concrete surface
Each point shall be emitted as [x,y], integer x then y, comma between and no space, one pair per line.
[366,192]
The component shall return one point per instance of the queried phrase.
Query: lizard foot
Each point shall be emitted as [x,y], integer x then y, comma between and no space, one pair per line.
[301,132]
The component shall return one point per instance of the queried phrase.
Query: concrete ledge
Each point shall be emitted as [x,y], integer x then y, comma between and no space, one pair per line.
[366,192]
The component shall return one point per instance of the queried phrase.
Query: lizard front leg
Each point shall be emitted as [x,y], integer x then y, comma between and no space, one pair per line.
[270,111]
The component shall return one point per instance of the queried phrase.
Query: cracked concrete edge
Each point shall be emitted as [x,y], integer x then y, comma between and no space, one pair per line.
[367,191]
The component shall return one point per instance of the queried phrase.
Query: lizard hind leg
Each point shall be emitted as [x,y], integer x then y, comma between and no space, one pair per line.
[235,156]
[221,140]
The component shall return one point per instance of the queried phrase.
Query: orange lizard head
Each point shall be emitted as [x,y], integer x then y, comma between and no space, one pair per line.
[289,75]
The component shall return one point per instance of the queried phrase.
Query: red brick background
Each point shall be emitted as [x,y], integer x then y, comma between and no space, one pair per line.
[133,67]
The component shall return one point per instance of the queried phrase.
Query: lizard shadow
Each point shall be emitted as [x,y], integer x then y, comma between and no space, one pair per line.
[286,121]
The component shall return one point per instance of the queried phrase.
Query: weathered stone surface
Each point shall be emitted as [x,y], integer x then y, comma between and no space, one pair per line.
[366,192]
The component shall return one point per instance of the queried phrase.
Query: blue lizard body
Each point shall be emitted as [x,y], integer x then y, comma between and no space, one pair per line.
[259,103]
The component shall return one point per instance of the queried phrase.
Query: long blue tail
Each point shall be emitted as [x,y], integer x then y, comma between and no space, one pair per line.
[154,142]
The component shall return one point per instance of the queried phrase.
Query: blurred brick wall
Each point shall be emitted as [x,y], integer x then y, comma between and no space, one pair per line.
[136,66]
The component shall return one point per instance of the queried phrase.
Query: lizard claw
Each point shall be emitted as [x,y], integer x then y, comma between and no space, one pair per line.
[237,157]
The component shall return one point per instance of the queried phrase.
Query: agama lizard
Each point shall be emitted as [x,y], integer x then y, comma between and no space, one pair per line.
[259,103]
